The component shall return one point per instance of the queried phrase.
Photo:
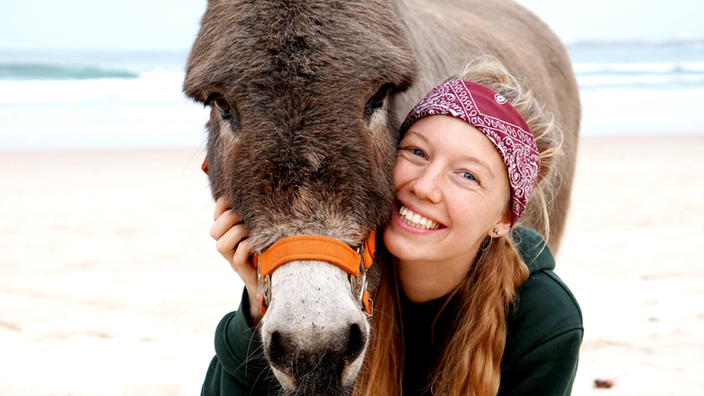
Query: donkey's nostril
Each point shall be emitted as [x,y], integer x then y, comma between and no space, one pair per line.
[355,344]
[277,353]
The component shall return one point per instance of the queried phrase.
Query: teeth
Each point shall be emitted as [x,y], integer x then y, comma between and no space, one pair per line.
[416,220]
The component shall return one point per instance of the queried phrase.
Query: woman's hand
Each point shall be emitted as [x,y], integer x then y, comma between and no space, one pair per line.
[232,243]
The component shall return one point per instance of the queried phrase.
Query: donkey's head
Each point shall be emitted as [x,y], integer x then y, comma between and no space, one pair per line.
[302,141]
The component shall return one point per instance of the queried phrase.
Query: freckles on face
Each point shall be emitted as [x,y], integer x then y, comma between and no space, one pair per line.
[450,173]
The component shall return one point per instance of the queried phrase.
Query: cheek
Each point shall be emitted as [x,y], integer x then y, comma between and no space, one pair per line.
[459,209]
[468,210]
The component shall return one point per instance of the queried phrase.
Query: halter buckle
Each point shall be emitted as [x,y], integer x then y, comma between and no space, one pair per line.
[359,285]
[264,289]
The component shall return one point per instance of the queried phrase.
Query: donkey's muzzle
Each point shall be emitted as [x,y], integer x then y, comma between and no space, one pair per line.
[321,367]
[314,333]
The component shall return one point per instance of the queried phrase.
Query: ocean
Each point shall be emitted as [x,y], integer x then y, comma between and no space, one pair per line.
[71,99]
[640,88]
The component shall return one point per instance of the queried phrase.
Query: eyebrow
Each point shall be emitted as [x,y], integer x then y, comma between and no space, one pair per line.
[416,134]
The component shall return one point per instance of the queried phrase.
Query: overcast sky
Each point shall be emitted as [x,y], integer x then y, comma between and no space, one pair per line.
[172,24]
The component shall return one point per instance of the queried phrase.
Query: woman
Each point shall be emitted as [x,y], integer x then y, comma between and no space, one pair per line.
[471,305]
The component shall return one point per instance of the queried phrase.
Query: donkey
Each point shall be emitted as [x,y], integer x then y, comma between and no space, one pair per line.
[306,99]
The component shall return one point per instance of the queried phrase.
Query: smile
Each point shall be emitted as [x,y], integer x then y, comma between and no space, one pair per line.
[416,220]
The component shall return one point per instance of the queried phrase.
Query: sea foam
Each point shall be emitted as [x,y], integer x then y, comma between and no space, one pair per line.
[625,89]
[147,111]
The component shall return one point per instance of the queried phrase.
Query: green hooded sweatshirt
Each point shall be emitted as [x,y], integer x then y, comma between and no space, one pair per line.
[544,332]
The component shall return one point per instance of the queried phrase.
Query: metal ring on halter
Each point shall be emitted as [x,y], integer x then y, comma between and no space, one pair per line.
[365,284]
[358,284]
[264,286]
[371,309]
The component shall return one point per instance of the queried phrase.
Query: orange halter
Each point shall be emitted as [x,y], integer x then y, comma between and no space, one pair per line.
[318,248]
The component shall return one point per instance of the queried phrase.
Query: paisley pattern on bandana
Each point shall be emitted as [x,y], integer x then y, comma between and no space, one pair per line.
[491,113]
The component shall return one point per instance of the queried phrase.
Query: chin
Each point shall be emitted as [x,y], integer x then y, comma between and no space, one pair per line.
[399,246]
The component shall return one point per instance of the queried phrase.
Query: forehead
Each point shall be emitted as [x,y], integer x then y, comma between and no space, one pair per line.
[279,47]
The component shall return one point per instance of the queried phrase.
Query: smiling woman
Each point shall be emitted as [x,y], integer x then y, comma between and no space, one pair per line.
[464,295]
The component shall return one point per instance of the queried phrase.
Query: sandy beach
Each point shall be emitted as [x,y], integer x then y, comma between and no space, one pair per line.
[111,285]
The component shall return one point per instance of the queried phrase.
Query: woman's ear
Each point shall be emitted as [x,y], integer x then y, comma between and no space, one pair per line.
[502,225]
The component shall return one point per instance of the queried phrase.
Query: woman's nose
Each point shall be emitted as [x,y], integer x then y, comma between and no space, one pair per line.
[426,185]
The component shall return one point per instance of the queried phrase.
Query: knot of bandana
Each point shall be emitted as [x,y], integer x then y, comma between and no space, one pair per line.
[488,111]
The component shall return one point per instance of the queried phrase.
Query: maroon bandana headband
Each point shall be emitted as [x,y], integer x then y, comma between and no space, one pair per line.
[491,113]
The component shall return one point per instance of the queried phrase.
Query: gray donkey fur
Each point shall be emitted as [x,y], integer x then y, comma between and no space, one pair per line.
[313,92]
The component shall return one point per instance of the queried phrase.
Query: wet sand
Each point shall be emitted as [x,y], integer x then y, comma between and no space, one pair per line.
[111,285]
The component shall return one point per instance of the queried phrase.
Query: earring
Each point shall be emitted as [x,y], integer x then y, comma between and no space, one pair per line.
[497,232]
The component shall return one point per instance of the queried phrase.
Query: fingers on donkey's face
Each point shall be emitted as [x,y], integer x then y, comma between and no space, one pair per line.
[223,223]
[222,208]
[229,241]
[221,205]
[236,218]
[240,261]
[219,228]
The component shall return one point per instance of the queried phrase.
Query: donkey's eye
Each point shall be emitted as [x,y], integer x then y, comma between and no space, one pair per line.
[221,104]
[227,112]
[377,101]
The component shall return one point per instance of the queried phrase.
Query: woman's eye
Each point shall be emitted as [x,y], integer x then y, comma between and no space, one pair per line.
[468,176]
[418,152]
